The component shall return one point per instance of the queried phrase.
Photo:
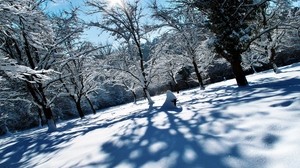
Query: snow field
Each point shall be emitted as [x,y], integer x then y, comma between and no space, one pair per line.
[222,126]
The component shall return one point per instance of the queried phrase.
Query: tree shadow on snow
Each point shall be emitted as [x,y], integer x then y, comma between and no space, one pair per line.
[166,138]
[270,88]
[174,142]
[27,146]
[183,143]
[24,147]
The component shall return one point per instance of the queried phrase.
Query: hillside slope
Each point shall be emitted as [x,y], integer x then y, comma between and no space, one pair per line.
[222,126]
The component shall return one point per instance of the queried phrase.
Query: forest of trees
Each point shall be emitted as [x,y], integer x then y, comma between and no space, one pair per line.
[48,72]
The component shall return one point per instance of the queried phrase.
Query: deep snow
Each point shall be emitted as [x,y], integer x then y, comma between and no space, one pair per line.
[222,126]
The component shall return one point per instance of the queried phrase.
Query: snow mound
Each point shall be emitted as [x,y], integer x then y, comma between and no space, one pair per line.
[170,102]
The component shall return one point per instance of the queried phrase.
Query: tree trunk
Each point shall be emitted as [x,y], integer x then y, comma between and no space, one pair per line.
[39,97]
[147,94]
[6,130]
[48,114]
[198,75]
[275,68]
[41,122]
[253,68]
[134,96]
[176,87]
[238,72]
[50,120]
[79,109]
[91,104]
[272,54]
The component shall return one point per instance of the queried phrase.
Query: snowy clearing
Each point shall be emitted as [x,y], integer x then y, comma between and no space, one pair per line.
[222,126]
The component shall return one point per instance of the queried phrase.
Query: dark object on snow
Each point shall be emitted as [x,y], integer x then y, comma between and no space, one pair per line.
[170,102]
[174,101]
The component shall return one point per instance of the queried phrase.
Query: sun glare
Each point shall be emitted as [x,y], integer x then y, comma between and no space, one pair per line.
[113,3]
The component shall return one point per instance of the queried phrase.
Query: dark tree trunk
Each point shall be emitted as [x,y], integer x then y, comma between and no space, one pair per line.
[198,75]
[272,54]
[36,91]
[27,51]
[50,119]
[46,109]
[176,87]
[239,72]
[79,109]
[91,104]
[48,113]
[134,96]
[41,124]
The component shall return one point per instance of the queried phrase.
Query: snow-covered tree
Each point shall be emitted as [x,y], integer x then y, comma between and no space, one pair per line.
[78,74]
[235,28]
[278,15]
[170,64]
[76,66]
[125,21]
[254,58]
[27,40]
[7,94]
[187,26]
[120,78]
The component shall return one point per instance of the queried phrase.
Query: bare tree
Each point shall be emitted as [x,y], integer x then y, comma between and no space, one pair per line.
[283,16]
[78,74]
[188,30]
[125,22]
[77,71]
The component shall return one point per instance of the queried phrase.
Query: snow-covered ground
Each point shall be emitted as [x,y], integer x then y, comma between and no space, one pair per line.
[223,126]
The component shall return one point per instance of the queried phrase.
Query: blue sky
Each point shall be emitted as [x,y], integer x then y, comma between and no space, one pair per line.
[92,34]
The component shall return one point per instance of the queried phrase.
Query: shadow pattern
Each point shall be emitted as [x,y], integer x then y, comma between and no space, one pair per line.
[174,142]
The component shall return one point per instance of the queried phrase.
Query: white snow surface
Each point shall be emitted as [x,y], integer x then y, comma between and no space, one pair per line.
[222,126]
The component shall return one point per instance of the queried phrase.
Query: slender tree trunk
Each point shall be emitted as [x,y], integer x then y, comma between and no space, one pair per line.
[134,96]
[147,94]
[271,51]
[176,88]
[275,68]
[272,54]
[253,68]
[239,72]
[198,75]
[41,122]
[91,104]
[6,130]
[141,55]
[79,109]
